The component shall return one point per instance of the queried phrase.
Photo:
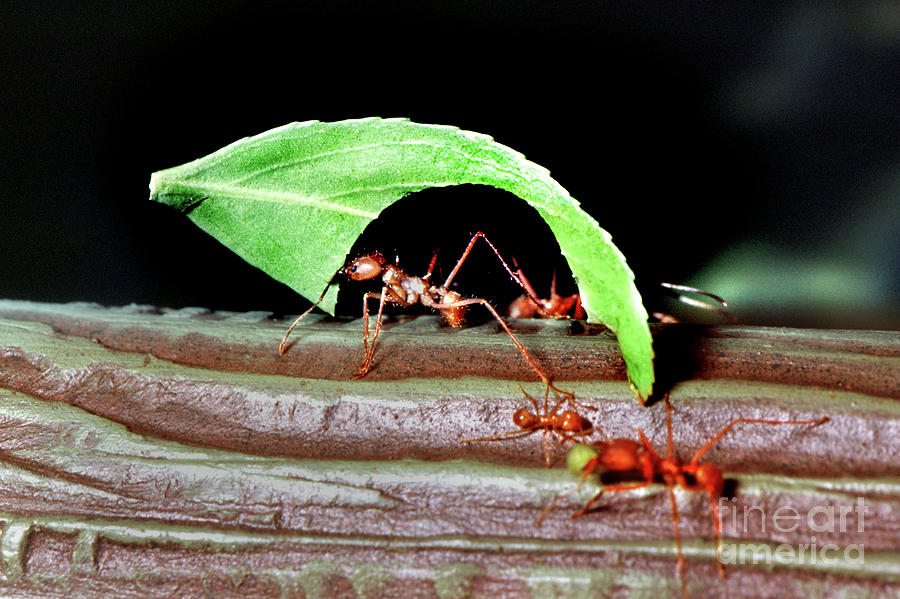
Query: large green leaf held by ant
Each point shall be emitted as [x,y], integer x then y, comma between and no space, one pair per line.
[293,200]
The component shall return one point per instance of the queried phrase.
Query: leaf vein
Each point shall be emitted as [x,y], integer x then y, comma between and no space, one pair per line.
[343,151]
[211,191]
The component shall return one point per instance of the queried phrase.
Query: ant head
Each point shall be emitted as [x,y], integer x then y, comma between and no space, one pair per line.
[365,267]
[523,418]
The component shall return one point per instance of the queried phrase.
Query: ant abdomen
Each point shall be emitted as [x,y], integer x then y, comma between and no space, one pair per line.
[455,317]
[572,422]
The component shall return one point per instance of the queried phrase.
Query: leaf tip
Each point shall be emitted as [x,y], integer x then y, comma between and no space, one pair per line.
[154,185]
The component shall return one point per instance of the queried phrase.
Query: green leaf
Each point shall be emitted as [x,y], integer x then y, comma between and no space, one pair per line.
[309,190]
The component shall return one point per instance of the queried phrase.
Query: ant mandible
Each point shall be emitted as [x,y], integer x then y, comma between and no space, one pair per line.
[407,290]
[626,455]
[565,425]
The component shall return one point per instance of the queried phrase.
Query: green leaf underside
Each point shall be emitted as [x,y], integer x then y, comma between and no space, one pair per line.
[293,200]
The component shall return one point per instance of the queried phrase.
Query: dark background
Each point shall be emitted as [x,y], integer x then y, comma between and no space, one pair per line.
[750,149]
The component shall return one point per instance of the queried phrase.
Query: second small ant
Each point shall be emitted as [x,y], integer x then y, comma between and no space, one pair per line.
[408,290]
[629,456]
[565,425]
[556,306]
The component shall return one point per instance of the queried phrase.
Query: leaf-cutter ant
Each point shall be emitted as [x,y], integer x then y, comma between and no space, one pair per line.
[408,290]
[628,456]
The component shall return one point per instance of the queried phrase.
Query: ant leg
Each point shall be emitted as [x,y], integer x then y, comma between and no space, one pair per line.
[678,554]
[566,397]
[717,525]
[528,289]
[609,489]
[546,511]
[587,506]
[583,435]
[670,444]
[547,461]
[518,344]
[738,421]
[365,300]
[370,350]
[534,403]
[465,255]
[502,436]
[647,446]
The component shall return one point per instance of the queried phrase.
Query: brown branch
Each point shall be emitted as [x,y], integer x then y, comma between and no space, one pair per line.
[146,452]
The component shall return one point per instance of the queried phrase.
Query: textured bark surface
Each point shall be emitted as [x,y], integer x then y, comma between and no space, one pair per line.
[146,452]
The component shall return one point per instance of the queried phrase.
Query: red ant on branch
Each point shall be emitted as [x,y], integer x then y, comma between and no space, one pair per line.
[628,456]
[556,306]
[407,290]
[565,425]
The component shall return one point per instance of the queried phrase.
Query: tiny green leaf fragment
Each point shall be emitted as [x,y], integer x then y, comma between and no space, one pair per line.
[293,200]
[579,456]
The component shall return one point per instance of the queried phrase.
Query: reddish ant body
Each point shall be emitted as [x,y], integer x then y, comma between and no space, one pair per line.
[556,306]
[628,456]
[407,290]
[565,425]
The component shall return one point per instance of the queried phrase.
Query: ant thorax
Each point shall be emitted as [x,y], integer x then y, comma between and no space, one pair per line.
[415,287]
[408,288]
[392,275]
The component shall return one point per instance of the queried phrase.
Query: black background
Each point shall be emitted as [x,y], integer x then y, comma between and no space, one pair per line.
[686,132]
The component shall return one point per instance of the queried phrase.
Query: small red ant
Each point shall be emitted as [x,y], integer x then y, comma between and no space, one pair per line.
[564,426]
[556,306]
[628,456]
[407,290]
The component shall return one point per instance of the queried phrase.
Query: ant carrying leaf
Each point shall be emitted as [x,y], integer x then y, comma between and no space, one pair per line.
[407,290]
[291,208]
[627,456]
